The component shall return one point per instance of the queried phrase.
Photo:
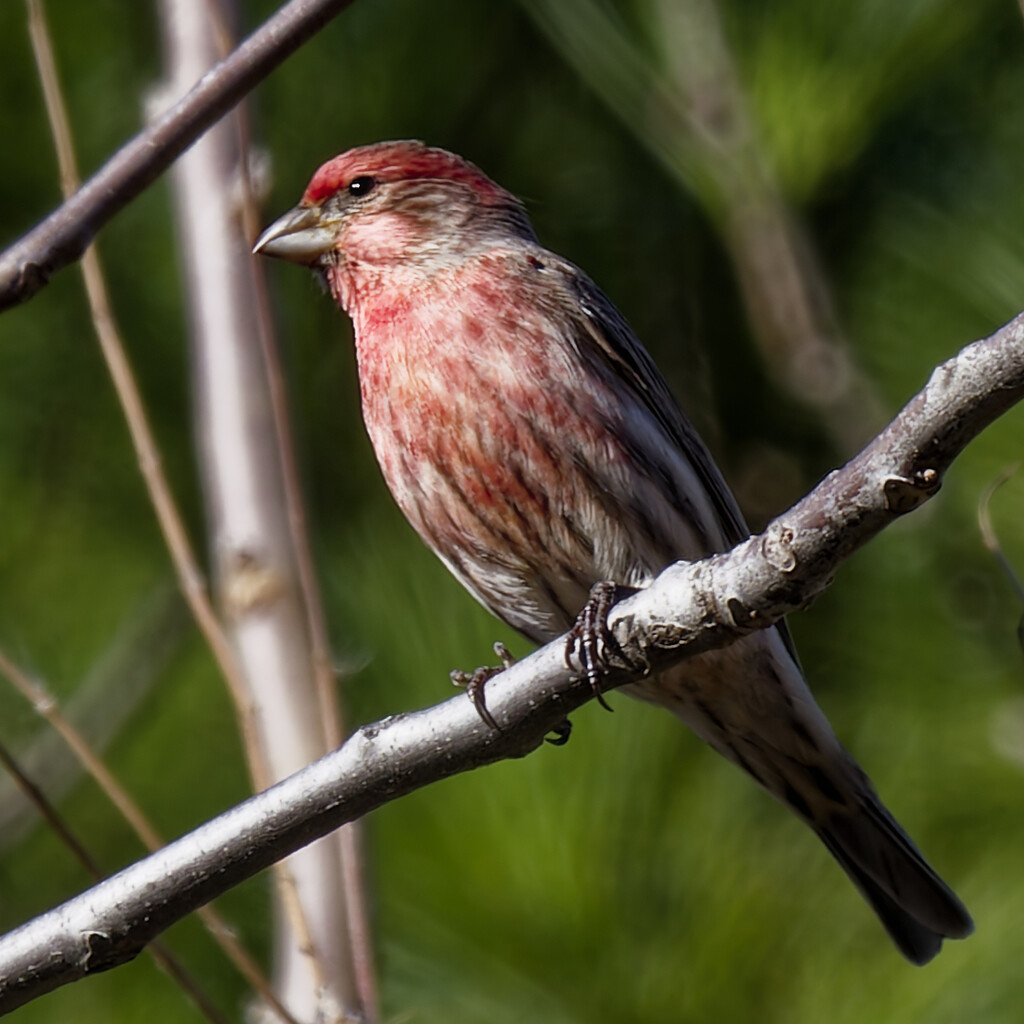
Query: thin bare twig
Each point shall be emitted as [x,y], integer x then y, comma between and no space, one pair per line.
[47,706]
[49,813]
[991,541]
[157,950]
[63,236]
[189,574]
[988,532]
[102,701]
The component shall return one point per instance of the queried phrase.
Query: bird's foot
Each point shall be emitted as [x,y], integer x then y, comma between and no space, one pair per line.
[475,681]
[590,641]
[562,732]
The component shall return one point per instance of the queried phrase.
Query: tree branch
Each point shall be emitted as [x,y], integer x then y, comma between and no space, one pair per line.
[249,521]
[63,236]
[690,608]
[795,558]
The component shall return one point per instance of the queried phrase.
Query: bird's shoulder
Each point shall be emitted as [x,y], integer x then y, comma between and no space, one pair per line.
[605,339]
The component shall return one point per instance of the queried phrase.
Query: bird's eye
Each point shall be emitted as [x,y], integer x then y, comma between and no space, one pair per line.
[361,185]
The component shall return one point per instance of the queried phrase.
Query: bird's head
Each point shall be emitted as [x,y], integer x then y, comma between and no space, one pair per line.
[394,203]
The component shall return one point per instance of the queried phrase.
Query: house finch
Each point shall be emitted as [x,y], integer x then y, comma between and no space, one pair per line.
[534,446]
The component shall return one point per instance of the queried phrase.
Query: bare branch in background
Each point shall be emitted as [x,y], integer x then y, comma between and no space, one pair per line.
[991,541]
[168,517]
[221,932]
[690,608]
[686,105]
[331,913]
[101,703]
[190,576]
[261,588]
[157,950]
[325,675]
[63,236]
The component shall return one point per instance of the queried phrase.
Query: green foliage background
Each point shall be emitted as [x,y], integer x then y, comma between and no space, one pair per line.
[633,875]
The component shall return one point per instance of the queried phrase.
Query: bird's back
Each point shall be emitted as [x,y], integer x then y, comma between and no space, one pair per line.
[531,442]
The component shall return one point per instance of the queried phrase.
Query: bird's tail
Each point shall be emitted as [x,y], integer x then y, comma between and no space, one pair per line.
[915,906]
[750,702]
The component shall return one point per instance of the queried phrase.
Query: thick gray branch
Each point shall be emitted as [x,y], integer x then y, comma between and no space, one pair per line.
[63,236]
[690,608]
[709,603]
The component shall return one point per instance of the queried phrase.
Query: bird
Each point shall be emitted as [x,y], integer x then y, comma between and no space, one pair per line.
[532,443]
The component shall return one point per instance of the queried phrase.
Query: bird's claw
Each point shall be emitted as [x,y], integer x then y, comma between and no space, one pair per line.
[590,641]
[505,656]
[474,682]
[561,732]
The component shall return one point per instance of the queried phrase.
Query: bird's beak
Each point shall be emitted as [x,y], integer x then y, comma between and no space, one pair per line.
[302,235]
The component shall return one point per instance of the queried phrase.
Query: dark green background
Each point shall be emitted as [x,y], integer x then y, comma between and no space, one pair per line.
[633,875]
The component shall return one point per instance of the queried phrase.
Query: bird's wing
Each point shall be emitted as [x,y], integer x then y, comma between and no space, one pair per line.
[612,342]
[615,345]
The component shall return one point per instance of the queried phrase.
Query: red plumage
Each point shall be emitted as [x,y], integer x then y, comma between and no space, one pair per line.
[532,443]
